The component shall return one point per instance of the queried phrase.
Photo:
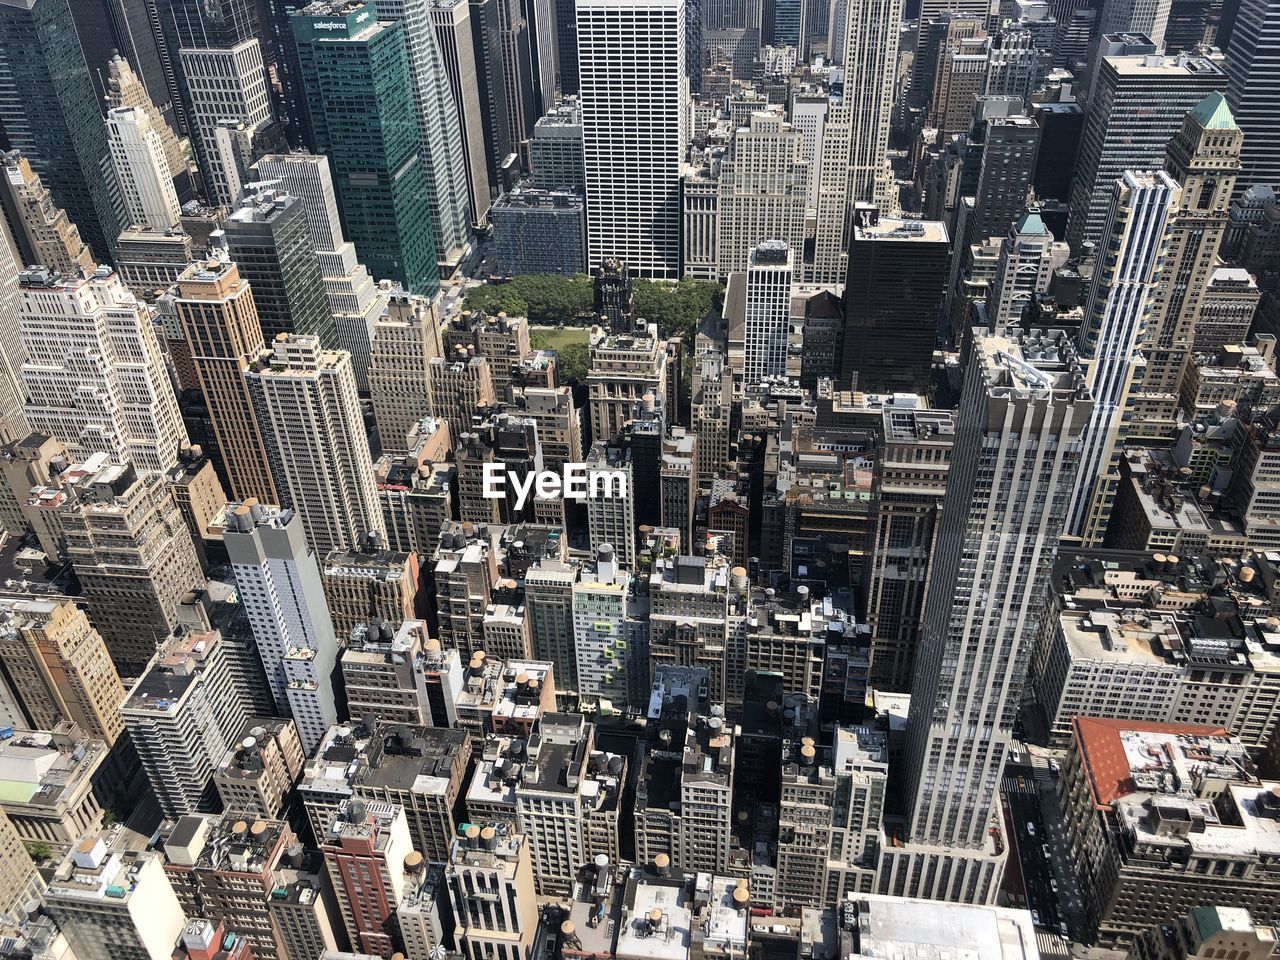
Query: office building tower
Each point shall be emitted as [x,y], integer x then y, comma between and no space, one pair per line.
[19,879]
[768,309]
[354,299]
[26,463]
[280,585]
[458,388]
[1116,316]
[455,35]
[50,111]
[269,238]
[226,83]
[1015,65]
[113,903]
[1017,448]
[852,166]
[259,769]
[1061,126]
[539,232]
[634,131]
[41,231]
[369,584]
[132,553]
[517,70]
[711,402]
[220,325]
[493,857]
[677,478]
[487,47]
[1004,181]
[1138,105]
[13,419]
[142,170]
[125,88]
[1252,90]
[625,366]
[892,301]
[1204,159]
[364,848]
[555,152]
[611,515]
[1027,258]
[302,904]
[440,143]
[358,85]
[181,715]
[763,181]
[308,398]
[60,667]
[960,75]
[149,262]
[604,612]
[405,339]
[94,374]
[465,571]
[913,464]
[548,597]
[1147,17]
[688,611]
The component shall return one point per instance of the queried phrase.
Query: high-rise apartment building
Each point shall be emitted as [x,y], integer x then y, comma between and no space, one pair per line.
[892,302]
[365,848]
[354,298]
[358,87]
[50,111]
[142,169]
[94,373]
[770,271]
[308,398]
[440,140]
[1203,159]
[1017,449]
[41,231]
[912,467]
[1116,316]
[1138,105]
[602,615]
[60,667]
[220,325]
[133,554]
[405,338]
[181,715]
[763,181]
[226,95]
[633,124]
[269,237]
[278,578]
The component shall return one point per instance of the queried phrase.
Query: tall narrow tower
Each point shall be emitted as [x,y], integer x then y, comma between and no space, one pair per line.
[1254,92]
[1017,448]
[634,90]
[768,300]
[1116,317]
[138,151]
[1204,158]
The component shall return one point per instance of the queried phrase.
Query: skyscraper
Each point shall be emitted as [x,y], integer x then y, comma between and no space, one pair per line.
[892,302]
[1025,266]
[220,325]
[1116,317]
[126,89]
[41,230]
[633,90]
[1204,159]
[270,240]
[50,111]
[142,168]
[225,85]
[359,87]
[440,142]
[1017,449]
[308,397]
[278,577]
[353,297]
[94,372]
[1254,90]
[13,419]
[405,339]
[517,75]
[1138,105]
[768,301]
[455,26]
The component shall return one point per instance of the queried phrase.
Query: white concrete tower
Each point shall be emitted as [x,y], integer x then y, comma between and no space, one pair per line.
[142,168]
[769,273]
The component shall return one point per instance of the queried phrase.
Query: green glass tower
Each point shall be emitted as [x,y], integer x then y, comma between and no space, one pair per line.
[49,110]
[356,84]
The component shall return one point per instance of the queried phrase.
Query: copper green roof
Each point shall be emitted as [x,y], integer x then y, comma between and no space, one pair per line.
[1212,113]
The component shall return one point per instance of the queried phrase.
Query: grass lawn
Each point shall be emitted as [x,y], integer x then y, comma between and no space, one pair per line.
[550,338]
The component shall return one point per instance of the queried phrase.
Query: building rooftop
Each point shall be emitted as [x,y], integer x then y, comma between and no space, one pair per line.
[39,767]
[899,928]
[656,920]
